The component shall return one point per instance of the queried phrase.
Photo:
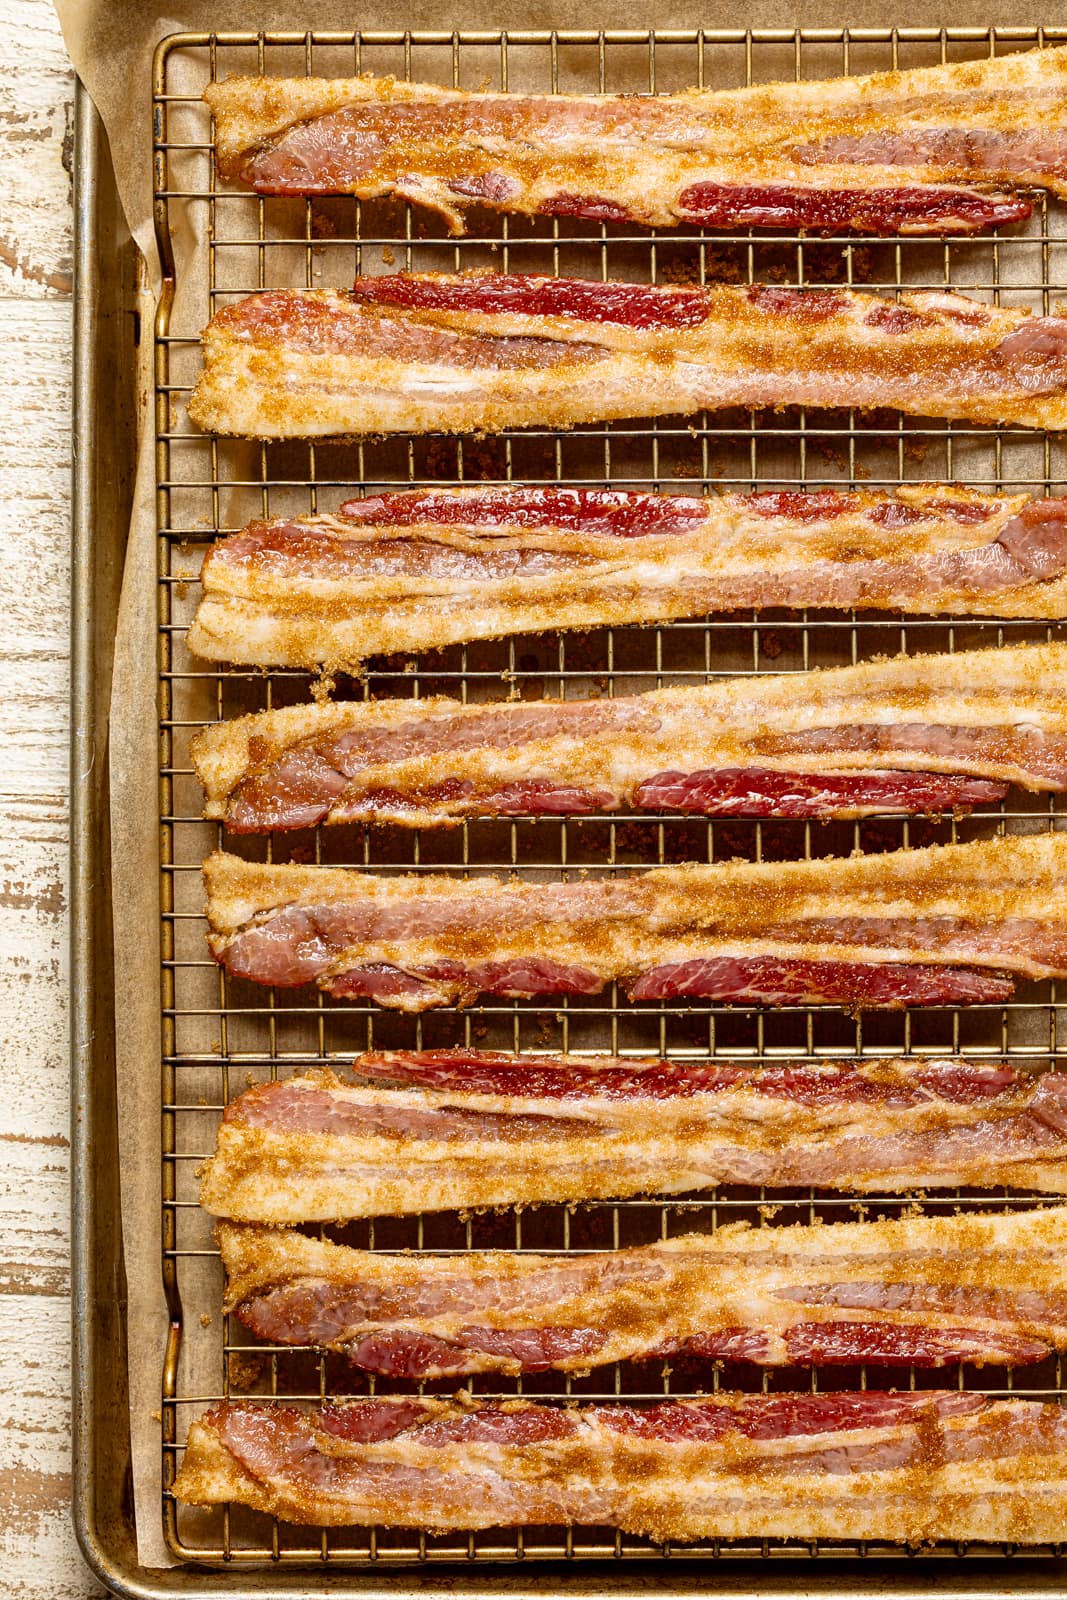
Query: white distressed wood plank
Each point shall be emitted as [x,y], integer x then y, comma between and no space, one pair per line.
[37,1548]
[36,87]
[35,464]
[38,1553]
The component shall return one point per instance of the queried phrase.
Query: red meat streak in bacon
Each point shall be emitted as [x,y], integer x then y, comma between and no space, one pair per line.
[610,512]
[1046,757]
[620,514]
[765,980]
[1015,150]
[757,1417]
[297,793]
[565,1078]
[460,983]
[276,318]
[756,792]
[630,304]
[536,797]
[721,205]
[851,1343]
[649,307]
[761,1420]
[624,514]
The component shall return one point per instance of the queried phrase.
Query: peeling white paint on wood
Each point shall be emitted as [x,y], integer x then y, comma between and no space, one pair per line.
[36,127]
[38,1555]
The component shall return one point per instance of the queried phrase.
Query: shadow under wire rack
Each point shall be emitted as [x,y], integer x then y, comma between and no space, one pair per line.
[220,1034]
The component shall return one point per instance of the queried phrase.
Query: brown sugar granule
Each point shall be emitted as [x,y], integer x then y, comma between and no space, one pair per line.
[245,1371]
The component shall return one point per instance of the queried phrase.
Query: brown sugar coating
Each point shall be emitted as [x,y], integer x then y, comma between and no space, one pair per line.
[483,1131]
[996,716]
[931,150]
[432,354]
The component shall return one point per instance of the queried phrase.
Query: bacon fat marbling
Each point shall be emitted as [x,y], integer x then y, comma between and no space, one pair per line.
[988,1289]
[908,1467]
[421,569]
[953,923]
[448,1130]
[915,734]
[485,351]
[931,150]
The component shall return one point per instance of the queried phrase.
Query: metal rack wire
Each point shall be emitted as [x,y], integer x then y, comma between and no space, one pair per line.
[218,1033]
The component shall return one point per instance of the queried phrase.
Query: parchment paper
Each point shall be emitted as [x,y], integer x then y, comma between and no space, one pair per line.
[111,43]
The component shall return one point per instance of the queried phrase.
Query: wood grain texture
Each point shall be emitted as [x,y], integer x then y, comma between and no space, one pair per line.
[38,1555]
[36,138]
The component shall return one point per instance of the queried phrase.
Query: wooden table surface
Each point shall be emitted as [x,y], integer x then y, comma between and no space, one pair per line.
[38,1554]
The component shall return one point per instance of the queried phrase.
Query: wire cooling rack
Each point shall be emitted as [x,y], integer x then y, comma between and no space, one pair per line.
[220,1034]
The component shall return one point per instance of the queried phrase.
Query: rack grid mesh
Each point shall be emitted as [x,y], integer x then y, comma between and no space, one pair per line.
[220,1034]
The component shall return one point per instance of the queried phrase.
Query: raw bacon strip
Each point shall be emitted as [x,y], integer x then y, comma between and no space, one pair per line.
[940,924]
[415,571]
[925,1290]
[468,1129]
[914,734]
[841,1466]
[484,351]
[908,152]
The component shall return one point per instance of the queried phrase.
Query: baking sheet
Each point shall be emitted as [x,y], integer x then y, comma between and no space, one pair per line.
[112,47]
